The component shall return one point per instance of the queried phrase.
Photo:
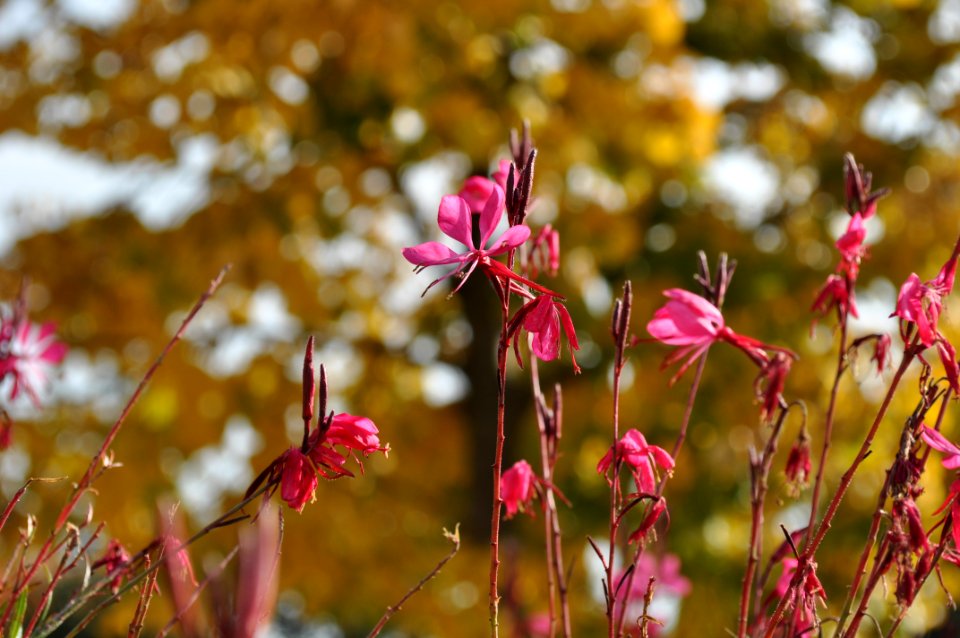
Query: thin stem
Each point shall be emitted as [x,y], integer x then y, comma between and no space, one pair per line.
[677,446]
[72,607]
[391,610]
[96,462]
[502,349]
[828,424]
[759,474]
[811,550]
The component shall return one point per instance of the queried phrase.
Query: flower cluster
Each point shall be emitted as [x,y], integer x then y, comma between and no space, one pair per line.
[297,470]
[485,201]
[28,353]
[693,323]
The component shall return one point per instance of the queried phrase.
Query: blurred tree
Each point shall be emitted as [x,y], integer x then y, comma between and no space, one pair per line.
[307,142]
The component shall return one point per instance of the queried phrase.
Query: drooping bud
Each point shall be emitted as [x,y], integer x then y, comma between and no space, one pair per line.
[653,515]
[309,384]
[798,464]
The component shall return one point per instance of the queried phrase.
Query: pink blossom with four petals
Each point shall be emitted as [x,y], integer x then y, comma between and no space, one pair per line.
[518,486]
[641,457]
[455,220]
[31,353]
[921,303]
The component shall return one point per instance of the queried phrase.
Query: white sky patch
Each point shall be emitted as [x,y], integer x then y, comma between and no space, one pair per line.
[945,85]
[799,14]
[897,113]
[46,185]
[97,14]
[543,57]
[742,179]
[846,49]
[234,347]
[425,183]
[288,86]
[407,125]
[586,183]
[442,384]
[213,471]
[170,61]
[944,24]
[716,83]
[20,20]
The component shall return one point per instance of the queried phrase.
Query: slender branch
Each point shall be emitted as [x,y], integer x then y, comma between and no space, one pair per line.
[96,462]
[759,475]
[391,610]
[133,581]
[828,424]
[810,551]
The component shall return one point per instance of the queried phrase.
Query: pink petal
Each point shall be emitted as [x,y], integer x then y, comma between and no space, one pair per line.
[491,214]
[454,219]
[938,442]
[476,191]
[512,238]
[661,456]
[431,253]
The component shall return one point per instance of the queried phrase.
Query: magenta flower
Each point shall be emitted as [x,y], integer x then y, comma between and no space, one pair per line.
[116,562]
[544,317]
[354,434]
[545,252]
[837,292]
[298,479]
[455,221]
[476,190]
[921,303]
[952,462]
[671,586]
[850,244]
[518,486]
[798,466]
[30,355]
[634,451]
[770,382]
[809,594]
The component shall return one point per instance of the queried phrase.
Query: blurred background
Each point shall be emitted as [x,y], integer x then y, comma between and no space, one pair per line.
[146,144]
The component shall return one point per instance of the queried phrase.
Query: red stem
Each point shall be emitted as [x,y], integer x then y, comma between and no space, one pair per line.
[811,550]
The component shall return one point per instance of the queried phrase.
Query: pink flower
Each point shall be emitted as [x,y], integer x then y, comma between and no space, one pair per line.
[298,479]
[850,243]
[810,593]
[116,561]
[881,352]
[518,487]
[353,433]
[455,221]
[634,451]
[770,382]
[545,252]
[837,292]
[921,303]
[669,584]
[476,190]
[543,318]
[30,354]
[798,463]
[694,324]
[952,462]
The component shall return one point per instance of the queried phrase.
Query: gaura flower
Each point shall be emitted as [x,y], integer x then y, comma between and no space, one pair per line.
[544,317]
[671,587]
[809,594]
[952,462]
[115,561]
[851,245]
[694,324]
[921,303]
[771,381]
[837,292]
[634,451]
[518,487]
[455,220]
[298,479]
[476,190]
[353,433]
[31,353]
